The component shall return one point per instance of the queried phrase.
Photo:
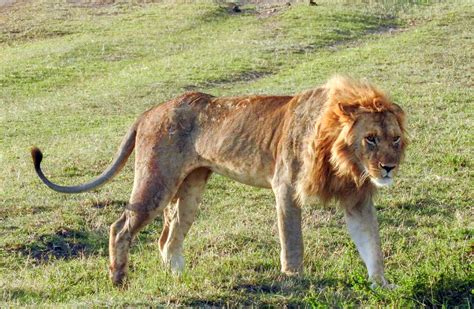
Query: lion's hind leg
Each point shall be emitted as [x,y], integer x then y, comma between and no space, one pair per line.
[151,193]
[179,220]
[122,233]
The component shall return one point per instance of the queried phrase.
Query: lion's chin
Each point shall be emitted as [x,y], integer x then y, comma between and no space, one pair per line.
[382,182]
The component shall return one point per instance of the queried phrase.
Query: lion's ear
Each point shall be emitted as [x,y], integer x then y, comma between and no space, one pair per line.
[397,109]
[349,110]
[400,114]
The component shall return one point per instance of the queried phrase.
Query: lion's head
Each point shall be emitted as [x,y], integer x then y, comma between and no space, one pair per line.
[357,143]
[377,144]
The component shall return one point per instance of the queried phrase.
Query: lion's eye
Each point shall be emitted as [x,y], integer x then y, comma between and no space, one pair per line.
[371,139]
[396,140]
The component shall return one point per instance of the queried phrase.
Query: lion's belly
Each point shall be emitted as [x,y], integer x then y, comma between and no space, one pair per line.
[256,178]
[239,159]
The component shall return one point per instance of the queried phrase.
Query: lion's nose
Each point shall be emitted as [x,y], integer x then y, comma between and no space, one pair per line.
[387,167]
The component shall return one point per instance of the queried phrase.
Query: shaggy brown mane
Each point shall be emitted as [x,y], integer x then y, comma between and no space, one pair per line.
[330,170]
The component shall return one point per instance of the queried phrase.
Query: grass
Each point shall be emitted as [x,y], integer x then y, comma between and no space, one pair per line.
[74,77]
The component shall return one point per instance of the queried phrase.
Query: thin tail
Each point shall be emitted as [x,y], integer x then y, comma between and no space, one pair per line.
[124,151]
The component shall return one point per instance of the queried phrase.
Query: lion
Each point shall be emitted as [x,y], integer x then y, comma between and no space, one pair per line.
[337,142]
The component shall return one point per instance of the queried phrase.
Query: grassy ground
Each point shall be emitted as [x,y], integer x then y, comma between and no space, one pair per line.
[74,77]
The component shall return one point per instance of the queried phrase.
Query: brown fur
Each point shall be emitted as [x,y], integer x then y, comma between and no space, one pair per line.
[310,144]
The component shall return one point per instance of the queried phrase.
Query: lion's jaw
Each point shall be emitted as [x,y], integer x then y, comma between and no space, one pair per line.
[359,171]
[382,182]
[382,178]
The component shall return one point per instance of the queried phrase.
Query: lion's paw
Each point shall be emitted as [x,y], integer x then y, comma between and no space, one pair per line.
[175,262]
[385,285]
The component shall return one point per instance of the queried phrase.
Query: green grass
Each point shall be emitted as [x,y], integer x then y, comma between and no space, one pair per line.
[73,78]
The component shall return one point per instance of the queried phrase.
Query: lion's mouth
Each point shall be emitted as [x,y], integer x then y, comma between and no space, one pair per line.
[382,182]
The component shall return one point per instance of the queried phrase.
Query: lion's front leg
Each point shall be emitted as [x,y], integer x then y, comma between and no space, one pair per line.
[289,228]
[363,227]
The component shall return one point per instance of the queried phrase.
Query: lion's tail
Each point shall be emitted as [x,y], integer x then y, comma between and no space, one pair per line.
[124,151]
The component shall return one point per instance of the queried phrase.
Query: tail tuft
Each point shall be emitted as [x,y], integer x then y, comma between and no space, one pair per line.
[37,156]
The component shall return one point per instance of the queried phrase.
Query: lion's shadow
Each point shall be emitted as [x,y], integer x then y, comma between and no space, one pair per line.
[253,293]
[444,292]
[64,244]
[71,243]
